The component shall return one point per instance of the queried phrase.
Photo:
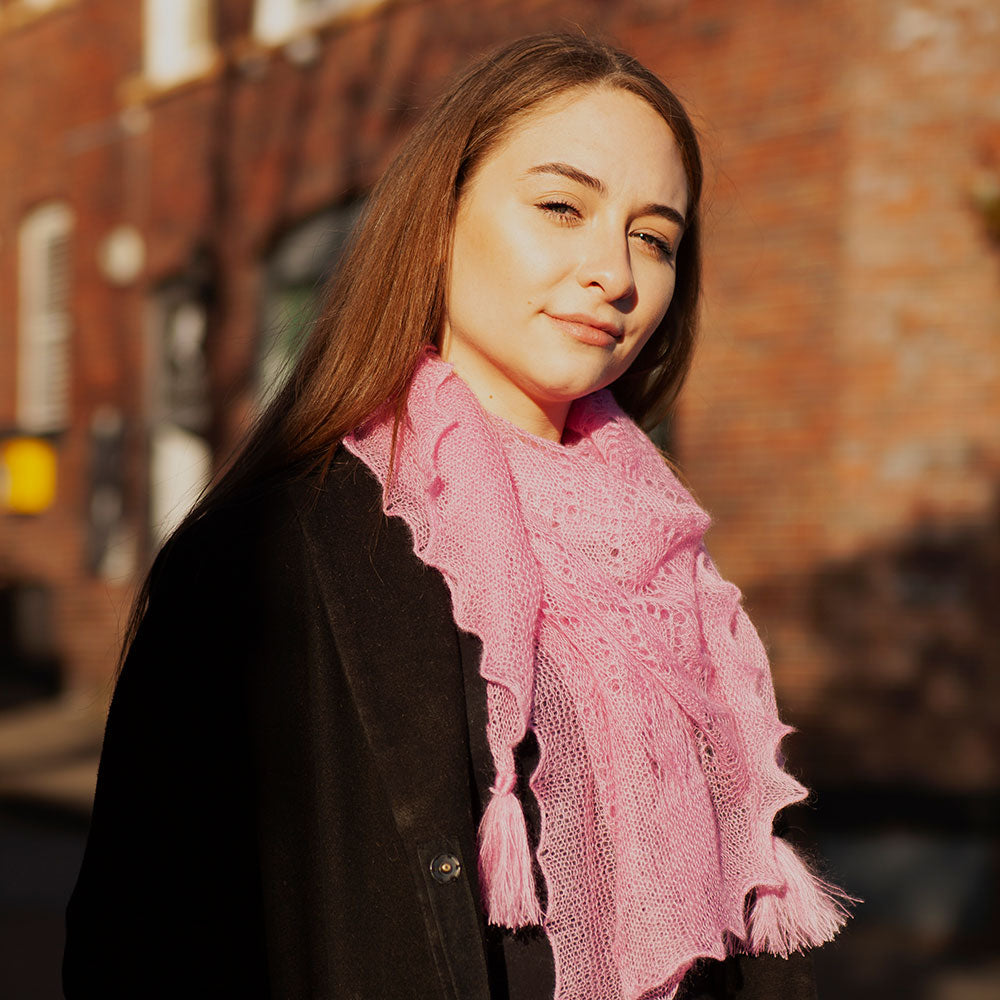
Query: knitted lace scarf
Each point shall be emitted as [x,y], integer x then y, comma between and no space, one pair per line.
[606,629]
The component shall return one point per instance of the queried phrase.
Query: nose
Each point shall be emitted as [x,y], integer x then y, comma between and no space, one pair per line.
[607,265]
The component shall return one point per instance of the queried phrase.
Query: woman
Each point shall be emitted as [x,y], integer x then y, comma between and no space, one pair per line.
[436,693]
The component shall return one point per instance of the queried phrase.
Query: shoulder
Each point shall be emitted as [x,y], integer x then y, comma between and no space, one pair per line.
[274,525]
[252,586]
[312,542]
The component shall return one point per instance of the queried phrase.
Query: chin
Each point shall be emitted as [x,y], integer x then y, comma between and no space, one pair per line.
[570,389]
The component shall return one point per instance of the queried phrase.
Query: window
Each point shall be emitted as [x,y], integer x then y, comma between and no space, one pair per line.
[180,454]
[295,272]
[180,466]
[44,321]
[177,38]
[110,545]
[275,21]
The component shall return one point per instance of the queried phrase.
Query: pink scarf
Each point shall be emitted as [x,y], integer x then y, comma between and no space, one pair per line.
[606,629]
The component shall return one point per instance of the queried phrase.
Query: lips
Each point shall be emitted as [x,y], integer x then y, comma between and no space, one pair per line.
[588,329]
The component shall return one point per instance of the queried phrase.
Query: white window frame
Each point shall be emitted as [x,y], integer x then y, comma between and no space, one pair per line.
[177,40]
[275,21]
[180,456]
[44,319]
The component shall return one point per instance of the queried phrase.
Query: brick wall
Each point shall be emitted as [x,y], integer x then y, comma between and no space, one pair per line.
[844,401]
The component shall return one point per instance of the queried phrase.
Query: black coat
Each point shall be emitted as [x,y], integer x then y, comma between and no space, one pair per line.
[287,773]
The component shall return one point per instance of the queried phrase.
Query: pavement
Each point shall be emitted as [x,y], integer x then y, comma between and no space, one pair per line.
[49,751]
[48,767]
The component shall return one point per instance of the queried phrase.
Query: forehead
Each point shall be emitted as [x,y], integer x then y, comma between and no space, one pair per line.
[610,133]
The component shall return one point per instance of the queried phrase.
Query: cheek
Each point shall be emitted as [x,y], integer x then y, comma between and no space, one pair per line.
[478,270]
[511,256]
[659,292]
[625,361]
[472,281]
[654,307]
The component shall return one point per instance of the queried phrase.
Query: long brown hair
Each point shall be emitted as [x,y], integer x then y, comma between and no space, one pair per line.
[387,299]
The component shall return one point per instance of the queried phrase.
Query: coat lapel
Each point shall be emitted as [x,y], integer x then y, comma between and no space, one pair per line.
[399,649]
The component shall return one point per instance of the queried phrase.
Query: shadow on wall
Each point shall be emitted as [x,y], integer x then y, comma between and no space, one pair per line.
[901,740]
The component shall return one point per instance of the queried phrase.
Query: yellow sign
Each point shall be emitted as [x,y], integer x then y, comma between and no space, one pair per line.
[29,475]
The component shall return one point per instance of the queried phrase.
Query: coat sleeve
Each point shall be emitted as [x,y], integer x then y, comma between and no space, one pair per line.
[169,890]
[241,842]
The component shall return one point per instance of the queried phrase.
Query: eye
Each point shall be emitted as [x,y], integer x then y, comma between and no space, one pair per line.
[562,211]
[657,245]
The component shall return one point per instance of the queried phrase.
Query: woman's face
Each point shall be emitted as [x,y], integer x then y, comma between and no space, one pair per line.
[562,260]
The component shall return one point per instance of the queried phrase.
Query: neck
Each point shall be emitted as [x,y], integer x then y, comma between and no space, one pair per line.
[536,420]
[499,395]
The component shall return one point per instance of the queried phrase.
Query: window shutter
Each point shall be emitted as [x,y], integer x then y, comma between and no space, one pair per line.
[43,403]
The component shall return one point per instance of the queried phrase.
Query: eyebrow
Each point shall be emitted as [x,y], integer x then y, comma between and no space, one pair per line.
[596,184]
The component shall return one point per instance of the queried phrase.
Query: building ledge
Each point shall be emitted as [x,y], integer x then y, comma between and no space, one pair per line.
[20,13]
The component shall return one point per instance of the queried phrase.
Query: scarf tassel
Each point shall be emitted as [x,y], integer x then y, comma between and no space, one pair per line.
[505,872]
[805,912]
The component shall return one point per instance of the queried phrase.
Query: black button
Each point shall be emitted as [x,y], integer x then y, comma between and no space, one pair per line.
[446,868]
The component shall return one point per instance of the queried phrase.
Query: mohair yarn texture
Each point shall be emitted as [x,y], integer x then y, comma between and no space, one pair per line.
[580,565]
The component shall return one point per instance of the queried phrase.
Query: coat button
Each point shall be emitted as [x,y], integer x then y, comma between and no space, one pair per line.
[446,868]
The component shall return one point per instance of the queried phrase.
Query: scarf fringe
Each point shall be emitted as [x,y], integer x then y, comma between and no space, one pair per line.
[505,872]
[804,912]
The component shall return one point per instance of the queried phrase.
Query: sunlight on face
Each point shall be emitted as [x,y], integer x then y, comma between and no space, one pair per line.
[562,261]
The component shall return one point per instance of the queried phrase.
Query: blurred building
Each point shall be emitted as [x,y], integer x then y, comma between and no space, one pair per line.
[178,175]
